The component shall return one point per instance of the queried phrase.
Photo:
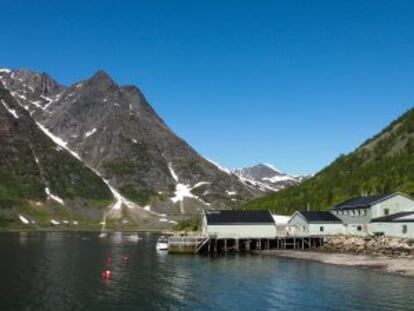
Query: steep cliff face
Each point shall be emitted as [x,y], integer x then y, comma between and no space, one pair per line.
[39,179]
[115,131]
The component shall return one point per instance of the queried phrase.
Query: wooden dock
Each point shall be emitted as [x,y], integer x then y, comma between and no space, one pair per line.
[214,245]
[186,244]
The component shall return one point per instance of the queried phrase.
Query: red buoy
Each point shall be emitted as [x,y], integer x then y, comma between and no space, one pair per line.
[106,274]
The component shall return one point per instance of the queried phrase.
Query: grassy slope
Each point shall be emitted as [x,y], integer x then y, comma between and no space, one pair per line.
[383,164]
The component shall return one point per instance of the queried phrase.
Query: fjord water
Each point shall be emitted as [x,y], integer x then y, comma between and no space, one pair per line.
[61,271]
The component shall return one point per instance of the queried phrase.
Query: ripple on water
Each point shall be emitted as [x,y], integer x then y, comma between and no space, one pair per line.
[59,271]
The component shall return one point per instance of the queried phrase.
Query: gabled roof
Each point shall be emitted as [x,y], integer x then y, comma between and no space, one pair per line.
[238,217]
[320,217]
[362,202]
[397,217]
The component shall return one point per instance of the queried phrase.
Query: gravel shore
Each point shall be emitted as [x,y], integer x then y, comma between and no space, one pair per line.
[397,265]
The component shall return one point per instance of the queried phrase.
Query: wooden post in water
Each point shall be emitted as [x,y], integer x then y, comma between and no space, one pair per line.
[236,244]
[225,245]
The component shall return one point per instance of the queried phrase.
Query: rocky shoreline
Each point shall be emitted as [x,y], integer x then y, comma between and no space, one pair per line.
[382,254]
[381,246]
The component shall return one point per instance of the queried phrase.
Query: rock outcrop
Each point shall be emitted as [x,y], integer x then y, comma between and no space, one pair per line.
[386,246]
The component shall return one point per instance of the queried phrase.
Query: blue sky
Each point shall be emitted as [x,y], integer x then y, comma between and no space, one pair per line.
[292,83]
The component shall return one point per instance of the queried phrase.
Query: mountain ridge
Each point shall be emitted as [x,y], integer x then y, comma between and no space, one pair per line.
[116,132]
[267,177]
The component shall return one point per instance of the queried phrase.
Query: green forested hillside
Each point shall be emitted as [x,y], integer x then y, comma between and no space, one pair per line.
[383,164]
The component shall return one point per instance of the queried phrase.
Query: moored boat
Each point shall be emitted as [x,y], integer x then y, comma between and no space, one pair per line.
[162,243]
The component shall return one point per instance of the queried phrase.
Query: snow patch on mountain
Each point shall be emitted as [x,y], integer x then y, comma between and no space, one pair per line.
[184,191]
[58,141]
[53,196]
[172,172]
[273,168]
[11,111]
[278,178]
[266,177]
[91,132]
[24,220]
[220,167]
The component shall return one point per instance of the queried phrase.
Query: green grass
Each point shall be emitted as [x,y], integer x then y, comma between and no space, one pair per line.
[193,224]
[142,197]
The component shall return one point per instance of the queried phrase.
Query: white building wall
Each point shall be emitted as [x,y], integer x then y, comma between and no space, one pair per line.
[242,231]
[328,229]
[361,229]
[298,226]
[396,204]
[393,229]
[204,228]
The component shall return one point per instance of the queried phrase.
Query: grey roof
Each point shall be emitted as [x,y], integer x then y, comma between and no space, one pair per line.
[395,217]
[239,217]
[361,202]
[320,217]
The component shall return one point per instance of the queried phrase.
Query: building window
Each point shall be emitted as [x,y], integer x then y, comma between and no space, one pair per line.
[386,211]
[321,229]
[404,229]
[359,228]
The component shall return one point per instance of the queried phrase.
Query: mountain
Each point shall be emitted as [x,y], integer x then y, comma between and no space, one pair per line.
[383,164]
[113,130]
[267,178]
[39,179]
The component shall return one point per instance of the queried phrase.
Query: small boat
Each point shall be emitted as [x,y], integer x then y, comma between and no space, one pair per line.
[103,235]
[133,238]
[162,243]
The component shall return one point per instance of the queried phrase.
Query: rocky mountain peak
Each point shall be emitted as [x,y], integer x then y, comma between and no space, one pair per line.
[101,78]
[114,130]
[267,177]
[37,82]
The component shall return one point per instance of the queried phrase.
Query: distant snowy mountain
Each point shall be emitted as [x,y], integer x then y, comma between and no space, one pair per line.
[266,177]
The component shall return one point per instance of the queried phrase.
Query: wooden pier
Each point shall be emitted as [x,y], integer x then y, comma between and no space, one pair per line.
[215,245]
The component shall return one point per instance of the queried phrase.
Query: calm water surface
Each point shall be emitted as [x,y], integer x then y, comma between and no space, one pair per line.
[61,271]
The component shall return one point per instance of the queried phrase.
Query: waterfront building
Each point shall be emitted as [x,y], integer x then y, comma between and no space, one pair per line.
[315,224]
[238,224]
[357,213]
[399,225]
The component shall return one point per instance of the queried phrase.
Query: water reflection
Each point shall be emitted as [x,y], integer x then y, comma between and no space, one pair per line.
[62,271]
